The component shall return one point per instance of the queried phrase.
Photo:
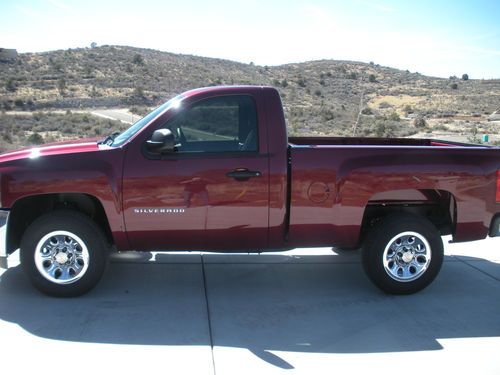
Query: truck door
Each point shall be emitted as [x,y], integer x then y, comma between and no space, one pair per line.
[213,191]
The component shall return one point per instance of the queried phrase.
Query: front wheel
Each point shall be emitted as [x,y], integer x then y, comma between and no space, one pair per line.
[63,253]
[403,254]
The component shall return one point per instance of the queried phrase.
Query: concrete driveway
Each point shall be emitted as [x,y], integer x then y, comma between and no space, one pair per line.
[288,313]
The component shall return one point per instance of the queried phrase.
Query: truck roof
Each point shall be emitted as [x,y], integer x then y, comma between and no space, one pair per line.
[225,89]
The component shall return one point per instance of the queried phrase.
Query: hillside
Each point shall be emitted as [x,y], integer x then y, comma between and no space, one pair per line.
[320,97]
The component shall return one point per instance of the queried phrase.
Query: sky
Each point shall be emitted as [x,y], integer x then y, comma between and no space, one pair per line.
[439,37]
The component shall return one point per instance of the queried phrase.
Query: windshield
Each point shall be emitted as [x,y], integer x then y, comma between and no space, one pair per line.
[136,127]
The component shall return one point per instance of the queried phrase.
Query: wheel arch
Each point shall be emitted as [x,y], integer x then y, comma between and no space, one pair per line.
[437,206]
[25,210]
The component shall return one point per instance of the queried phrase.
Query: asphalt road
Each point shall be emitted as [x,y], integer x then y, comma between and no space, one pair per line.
[116,114]
[308,311]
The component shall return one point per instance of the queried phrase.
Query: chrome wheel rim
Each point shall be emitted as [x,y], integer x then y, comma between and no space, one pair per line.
[407,256]
[61,257]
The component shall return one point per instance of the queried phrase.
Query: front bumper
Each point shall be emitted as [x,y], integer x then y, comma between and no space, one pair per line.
[4,220]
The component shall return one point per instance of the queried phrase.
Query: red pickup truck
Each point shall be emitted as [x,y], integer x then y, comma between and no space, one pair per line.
[213,169]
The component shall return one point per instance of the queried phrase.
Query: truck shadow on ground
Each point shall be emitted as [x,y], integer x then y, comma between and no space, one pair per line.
[305,305]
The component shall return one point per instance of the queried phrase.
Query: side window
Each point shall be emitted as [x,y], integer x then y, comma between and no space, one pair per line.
[221,124]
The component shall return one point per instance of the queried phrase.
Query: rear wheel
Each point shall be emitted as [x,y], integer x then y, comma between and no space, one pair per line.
[403,254]
[63,253]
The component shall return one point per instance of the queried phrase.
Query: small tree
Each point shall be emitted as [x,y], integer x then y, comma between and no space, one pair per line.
[408,109]
[93,45]
[454,86]
[61,85]
[465,77]
[474,136]
[394,116]
[6,105]
[138,93]
[419,122]
[35,139]
[138,59]
[372,78]
[10,85]
[7,137]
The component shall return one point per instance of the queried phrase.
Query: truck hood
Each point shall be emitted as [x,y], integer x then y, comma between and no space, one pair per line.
[59,148]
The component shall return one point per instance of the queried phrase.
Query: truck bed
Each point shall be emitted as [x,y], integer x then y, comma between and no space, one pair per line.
[334,181]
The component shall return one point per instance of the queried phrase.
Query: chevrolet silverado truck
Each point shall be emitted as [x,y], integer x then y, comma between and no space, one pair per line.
[213,169]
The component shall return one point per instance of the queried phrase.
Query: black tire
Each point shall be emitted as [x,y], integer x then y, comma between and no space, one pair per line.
[411,263]
[71,256]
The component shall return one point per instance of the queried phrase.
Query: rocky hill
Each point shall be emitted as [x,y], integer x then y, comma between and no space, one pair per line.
[320,97]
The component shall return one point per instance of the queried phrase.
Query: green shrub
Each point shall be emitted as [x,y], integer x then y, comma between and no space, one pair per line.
[384,129]
[419,122]
[140,111]
[61,85]
[138,93]
[10,85]
[35,139]
[440,127]
[394,116]
[7,137]
[7,106]
[37,116]
[327,115]
[138,59]
[408,109]
[301,82]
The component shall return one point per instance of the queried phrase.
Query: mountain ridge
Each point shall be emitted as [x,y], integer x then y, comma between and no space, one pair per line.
[321,97]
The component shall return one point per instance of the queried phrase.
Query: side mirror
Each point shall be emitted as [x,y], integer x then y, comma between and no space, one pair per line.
[161,142]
